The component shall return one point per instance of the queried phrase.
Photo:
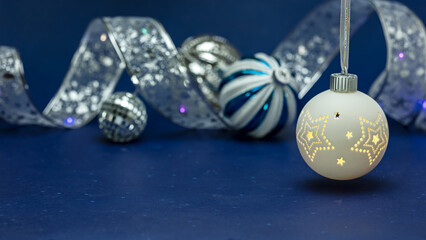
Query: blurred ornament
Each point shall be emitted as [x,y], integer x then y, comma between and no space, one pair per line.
[159,74]
[341,133]
[168,80]
[257,96]
[122,117]
[206,58]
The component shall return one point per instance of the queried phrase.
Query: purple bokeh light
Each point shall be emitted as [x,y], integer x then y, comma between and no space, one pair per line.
[182,109]
[401,55]
[69,121]
[424,105]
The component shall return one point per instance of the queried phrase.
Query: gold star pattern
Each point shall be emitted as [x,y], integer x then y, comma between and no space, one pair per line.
[340,161]
[311,134]
[310,137]
[349,135]
[374,139]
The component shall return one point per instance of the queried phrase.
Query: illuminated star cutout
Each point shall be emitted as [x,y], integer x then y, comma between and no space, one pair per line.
[374,137]
[349,135]
[311,135]
[340,161]
[103,37]
[373,140]
[337,115]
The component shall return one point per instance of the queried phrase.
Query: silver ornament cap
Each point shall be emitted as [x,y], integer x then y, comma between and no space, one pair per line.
[122,117]
[345,83]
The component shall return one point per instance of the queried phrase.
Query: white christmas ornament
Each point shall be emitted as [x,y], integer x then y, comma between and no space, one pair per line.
[257,96]
[342,133]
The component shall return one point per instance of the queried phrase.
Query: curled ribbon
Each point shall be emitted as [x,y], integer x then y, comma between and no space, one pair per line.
[146,51]
[400,89]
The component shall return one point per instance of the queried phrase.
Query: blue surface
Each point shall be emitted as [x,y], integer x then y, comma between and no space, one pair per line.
[179,184]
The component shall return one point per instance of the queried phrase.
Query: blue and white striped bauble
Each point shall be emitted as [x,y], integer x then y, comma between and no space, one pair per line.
[257,96]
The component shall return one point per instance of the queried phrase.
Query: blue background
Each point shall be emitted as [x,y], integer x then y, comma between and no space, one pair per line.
[180,184]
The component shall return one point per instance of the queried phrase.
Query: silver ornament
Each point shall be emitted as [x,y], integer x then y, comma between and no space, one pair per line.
[206,57]
[122,117]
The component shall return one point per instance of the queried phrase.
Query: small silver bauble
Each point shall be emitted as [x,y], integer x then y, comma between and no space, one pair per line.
[122,117]
[206,58]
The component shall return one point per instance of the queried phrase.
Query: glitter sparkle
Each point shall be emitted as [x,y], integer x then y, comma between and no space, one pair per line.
[182,109]
[401,55]
[103,37]
[69,121]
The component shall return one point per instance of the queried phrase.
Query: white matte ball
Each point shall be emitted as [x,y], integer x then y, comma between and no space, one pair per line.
[342,136]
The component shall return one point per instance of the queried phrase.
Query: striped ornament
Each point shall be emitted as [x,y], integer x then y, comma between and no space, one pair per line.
[257,96]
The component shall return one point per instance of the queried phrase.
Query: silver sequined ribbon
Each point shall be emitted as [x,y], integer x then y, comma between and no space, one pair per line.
[400,89]
[146,51]
[110,45]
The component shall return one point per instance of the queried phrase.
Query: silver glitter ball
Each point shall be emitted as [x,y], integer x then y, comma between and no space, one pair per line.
[206,58]
[122,117]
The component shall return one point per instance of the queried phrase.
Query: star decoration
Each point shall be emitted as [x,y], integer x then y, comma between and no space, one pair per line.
[311,134]
[310,137]
[373,140]
[349,135]
[340,161]
[337,115]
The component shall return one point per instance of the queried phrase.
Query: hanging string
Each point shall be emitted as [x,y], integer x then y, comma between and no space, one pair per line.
[345,23]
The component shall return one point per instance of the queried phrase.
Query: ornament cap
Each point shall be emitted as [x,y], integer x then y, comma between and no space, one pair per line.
[345,83]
